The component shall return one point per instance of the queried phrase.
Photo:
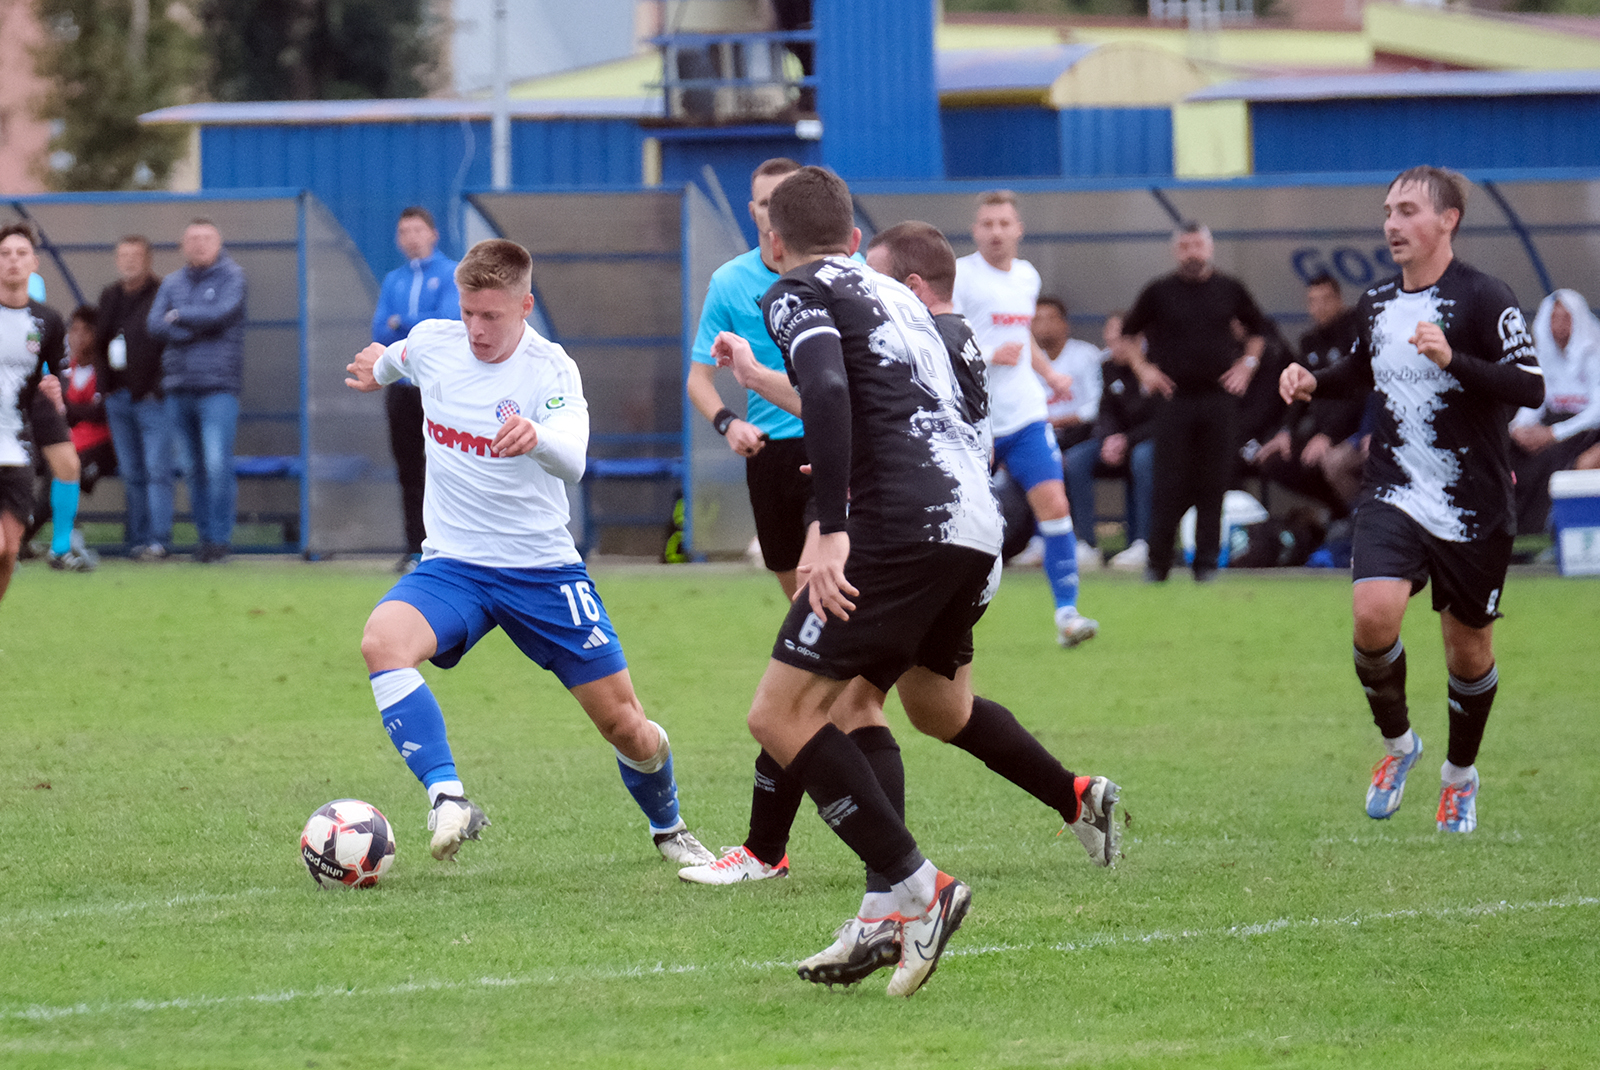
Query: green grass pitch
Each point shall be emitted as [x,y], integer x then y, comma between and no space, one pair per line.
[165,731]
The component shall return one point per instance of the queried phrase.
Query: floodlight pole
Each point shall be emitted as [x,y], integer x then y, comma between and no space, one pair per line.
[500,133]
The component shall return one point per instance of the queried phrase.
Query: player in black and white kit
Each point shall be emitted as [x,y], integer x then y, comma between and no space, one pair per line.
[916,255]
[901,487]
[1449,353]
[32,343]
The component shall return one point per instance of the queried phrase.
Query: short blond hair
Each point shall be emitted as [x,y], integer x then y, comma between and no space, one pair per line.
[998,196]
[495,264]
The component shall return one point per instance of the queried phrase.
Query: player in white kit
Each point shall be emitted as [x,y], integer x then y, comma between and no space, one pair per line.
[506,427]
[997,292]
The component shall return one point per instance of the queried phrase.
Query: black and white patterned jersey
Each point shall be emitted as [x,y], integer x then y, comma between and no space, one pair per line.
[31,343]
[1441,451]
[966,358]
[886,424]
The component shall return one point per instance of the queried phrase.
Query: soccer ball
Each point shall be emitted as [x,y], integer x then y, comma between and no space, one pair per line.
[348,844]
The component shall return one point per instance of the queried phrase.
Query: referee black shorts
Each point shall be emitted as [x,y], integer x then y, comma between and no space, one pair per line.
[16,491]
[779,495]
[917,606]
[1468,577]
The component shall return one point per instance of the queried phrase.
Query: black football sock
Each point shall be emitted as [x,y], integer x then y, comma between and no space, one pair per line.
[877,743]
[1469,713]
[774,801]
[849,798]
[1383,676]
[993,736]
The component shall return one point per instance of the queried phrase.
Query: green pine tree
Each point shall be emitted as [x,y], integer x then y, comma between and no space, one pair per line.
[109,61]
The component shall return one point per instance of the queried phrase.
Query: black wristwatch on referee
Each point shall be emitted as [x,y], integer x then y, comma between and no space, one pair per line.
[723,420]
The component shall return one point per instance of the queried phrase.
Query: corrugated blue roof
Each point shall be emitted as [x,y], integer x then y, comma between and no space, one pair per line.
[394,111]
[1409,84]
[970,70]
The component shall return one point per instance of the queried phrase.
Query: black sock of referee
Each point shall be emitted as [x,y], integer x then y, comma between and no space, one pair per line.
[1383,676]
[849,798]
[877,744]
[1469,713]
[774,801]
[993,736]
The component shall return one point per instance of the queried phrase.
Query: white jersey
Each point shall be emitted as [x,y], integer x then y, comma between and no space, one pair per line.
[1081,360]
[500,512]
[999,308]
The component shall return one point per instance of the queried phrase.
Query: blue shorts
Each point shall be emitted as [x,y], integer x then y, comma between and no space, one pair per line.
[554,615]
[1031,455]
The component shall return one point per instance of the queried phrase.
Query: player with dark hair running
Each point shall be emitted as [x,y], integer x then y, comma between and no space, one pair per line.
[1448,350]
[507,429]
[917,255]
[885,430]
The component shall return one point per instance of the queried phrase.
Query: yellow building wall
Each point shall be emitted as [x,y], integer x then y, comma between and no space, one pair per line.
[1211,139]
[1469,40]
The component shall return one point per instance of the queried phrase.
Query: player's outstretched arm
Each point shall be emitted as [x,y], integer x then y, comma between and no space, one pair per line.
[360,371]
[1296,384]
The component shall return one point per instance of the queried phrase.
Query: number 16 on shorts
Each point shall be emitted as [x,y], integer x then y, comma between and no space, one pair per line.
[579,594]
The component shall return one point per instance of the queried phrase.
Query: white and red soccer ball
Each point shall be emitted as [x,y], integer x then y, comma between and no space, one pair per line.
[347,843]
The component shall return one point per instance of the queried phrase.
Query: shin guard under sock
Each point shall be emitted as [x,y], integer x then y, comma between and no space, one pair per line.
[1061,560]
[774,801]
[1469,713]
[849,798]
[877,743]
[1383,677]
[415,724]
[651,785]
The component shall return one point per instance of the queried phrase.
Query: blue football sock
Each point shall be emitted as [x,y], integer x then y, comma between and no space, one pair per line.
[415,724]
[1061,560]
[651,785]
[64,509]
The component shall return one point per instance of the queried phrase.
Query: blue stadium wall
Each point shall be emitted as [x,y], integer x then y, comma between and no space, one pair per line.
[367,172]
[1535,131]
[1032,142]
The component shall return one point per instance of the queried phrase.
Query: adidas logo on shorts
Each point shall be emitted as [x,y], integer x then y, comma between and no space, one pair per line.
[596,638]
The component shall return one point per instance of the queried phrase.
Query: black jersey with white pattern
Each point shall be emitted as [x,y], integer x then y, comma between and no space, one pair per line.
[1441,451]
[966,358]
[885,419]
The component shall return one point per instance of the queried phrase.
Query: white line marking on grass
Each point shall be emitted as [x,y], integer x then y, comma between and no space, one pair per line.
[102,909]
[38,1013]
[1278,925]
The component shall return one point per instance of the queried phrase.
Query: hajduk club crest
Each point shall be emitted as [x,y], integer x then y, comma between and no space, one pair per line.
[506,409]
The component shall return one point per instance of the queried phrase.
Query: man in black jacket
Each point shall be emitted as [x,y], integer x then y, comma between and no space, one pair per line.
[127,366]
[1196,362]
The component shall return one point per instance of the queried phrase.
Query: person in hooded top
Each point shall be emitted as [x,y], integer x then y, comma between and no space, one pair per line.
[1551,437]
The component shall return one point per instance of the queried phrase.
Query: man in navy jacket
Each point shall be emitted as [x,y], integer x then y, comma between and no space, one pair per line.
[198,315]
[424,288]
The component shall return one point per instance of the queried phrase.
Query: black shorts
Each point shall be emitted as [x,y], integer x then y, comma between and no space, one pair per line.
[917,606]
[16,492]
[779,496]
[1468,577]
[49,426]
